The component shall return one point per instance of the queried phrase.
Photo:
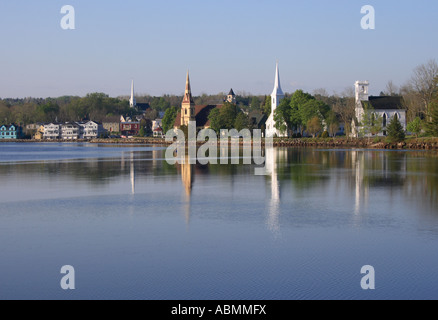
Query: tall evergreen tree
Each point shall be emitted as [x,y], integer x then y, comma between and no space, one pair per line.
[396,133]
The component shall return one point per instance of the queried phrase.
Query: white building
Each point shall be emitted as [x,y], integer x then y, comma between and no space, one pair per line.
[91,130]
[52,131]
[70,131]
[383,106]
[276,97]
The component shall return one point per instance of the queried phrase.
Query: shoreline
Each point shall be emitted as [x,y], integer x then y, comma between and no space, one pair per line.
[364,143]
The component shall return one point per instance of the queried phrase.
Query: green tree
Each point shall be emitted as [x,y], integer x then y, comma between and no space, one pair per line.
[298,101]
[313,108]
[282,116]
[396,133]
[241,122]
[333,123]
[226,116]
[266,107]
[215,120]
[432,125]
[169,119]
[314,126]
[255,103]
[371,123]
[415,126]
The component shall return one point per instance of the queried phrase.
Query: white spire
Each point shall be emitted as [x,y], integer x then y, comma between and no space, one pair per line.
[132,102]
[277,87]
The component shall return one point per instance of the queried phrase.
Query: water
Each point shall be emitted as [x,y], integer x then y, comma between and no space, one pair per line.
[135,227]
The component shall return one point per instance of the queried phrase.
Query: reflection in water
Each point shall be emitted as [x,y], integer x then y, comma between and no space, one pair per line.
[361,190]
[132,170]
[187,178]
[273,221]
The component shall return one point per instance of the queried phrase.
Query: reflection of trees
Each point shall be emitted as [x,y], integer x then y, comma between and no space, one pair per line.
[304,167]
[422,180]
[96,171]
[385,169]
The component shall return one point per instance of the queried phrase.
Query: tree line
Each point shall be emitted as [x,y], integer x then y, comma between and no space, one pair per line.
[300,111]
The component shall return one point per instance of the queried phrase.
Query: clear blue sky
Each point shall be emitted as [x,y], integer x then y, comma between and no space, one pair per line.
[225,44]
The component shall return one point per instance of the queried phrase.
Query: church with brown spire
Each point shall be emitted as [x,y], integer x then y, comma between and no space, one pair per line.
[191,112]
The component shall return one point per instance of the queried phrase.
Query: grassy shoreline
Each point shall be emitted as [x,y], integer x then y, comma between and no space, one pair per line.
[410,143]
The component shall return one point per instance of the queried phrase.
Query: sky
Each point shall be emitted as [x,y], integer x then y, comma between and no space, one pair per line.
[225,44]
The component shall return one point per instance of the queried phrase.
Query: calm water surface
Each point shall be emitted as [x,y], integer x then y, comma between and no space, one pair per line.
[135,227]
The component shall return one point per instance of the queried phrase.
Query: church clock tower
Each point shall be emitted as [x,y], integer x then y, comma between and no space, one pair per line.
[188,105]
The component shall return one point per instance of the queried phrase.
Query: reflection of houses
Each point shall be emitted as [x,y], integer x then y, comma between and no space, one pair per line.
[385,107]
[377,169]
[10,132]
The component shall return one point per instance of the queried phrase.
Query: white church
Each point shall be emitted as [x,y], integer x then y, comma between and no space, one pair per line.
[386,107]
[276,97]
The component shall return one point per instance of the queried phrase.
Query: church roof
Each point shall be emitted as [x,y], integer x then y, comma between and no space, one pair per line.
[143,106]
[385,102]
[257,118]
[231,93]
[201,115]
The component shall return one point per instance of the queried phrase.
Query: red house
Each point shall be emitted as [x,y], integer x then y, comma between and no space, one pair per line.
[130,129]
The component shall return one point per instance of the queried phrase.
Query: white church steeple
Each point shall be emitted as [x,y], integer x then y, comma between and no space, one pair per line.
[132,102]
[276,97]
[277,94]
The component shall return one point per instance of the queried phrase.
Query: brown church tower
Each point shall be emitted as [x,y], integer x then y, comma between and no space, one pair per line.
[188,105]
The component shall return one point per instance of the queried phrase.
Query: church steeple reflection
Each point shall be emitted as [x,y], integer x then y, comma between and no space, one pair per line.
[187,178]
[273,221]
[132,171]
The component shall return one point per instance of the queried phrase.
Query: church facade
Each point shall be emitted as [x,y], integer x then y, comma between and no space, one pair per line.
[276,97]
[386,107]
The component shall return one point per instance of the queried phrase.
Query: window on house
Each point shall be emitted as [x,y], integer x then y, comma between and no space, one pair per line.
[385,120]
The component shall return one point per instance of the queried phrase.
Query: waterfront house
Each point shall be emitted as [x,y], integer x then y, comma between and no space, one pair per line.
[111,127]
[70,131]
[39,135]
[91,130]
[11,131]
[158,133]
[52,131]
